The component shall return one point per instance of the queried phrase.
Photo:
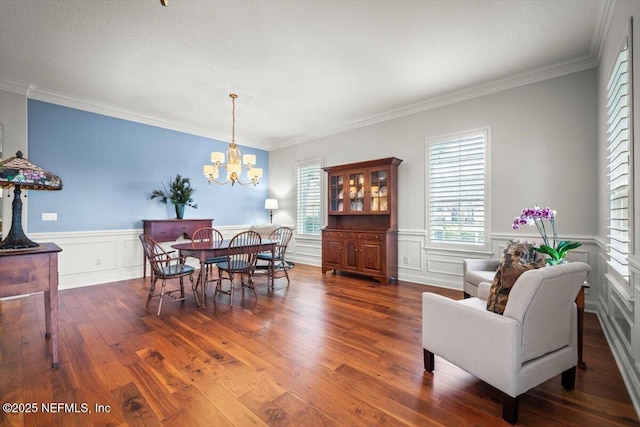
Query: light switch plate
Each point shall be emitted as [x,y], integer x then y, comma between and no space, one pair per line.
[49,216]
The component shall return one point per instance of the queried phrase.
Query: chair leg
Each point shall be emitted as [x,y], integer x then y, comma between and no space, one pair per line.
[510,408]
[151,291]
[429,360]
[568,378]
[252,285]
[164,282]
[231,288]
[194,289]
[284,267]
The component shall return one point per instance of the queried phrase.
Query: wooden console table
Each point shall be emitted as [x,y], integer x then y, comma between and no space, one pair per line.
[169,230]
[32,271]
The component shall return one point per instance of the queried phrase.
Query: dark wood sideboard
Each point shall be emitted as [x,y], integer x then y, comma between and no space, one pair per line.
[169,230]
[31,271]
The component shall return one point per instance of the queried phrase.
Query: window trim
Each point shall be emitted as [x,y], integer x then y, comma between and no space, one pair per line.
[461,247]
[627,39]
[301,163]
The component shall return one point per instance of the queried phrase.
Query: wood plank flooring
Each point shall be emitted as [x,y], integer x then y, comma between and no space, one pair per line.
[334,350]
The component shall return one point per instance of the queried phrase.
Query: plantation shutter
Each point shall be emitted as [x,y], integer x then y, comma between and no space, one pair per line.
[456,189]
[309,197]
[618,132]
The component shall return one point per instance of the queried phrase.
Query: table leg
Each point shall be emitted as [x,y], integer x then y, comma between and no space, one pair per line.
[51,309]
[272,267]
[580,305]
[203,282]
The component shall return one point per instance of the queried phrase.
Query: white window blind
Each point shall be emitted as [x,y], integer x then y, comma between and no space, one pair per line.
[456,196]
[309,197]
[618,131]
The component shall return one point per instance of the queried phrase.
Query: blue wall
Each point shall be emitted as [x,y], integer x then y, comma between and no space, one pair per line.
[109,167]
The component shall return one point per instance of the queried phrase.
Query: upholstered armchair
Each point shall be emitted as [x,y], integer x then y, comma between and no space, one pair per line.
[534,340]
[476,271]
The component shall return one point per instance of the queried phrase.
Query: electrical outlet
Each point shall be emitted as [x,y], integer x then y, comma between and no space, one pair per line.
[49,216]
[405,260]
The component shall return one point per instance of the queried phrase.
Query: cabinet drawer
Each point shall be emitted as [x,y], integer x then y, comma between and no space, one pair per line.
[376,237]
[364,235]
[180,228]
[333,234]
[162,232]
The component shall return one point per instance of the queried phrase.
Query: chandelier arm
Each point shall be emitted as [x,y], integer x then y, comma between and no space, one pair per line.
[211,179]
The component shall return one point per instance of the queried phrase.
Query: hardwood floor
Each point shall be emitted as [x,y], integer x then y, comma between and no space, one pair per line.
[331,350]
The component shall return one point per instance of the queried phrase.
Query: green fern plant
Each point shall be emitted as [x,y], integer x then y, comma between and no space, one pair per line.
[180,192]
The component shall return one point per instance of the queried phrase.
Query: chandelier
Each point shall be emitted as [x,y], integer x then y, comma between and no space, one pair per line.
[235,160]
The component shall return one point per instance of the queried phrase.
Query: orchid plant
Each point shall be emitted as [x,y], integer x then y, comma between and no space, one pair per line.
[536,216]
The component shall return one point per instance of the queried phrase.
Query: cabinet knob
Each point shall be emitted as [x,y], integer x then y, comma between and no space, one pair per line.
[359,236]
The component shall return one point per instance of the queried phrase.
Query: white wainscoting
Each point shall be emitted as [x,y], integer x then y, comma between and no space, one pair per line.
[90,258]
[95,257]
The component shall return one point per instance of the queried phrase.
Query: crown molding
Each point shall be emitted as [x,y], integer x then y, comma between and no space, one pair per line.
[15,86]
[602,28]
[32,91]
[567,67]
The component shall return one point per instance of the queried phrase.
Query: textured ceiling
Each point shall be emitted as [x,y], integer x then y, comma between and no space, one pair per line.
[301,68]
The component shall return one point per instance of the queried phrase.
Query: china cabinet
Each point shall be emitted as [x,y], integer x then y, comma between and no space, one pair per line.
[361,235]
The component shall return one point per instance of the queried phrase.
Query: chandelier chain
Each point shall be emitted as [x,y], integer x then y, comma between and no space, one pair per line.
[233,117]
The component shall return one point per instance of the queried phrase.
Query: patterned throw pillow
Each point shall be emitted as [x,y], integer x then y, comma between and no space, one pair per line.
[516,259]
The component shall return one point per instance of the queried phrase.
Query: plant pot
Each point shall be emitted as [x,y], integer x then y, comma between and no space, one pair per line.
[179,210]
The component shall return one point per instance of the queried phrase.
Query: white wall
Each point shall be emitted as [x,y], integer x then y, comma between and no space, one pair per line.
[544,151]
[13,116]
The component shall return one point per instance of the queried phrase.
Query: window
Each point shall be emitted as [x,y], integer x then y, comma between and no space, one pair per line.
[618,137]
[309,197]
[457,199]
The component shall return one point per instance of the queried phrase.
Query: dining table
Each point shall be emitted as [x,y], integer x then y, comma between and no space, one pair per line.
[206,250]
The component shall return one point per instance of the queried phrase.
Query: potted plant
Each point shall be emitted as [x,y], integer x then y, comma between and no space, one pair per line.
[180,194]
[535,216]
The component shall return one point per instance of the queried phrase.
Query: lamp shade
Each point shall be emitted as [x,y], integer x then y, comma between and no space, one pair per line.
[249,159]
[271,204]
[20,171]
[217,157]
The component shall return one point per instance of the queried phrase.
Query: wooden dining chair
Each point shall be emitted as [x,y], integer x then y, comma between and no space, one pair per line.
[166,267]
[276,263]
[214,237]
[241,258]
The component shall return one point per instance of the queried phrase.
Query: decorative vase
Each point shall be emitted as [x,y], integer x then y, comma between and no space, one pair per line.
[179,210]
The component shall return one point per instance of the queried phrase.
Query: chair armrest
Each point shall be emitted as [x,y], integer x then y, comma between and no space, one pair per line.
[480,264]
[473,338]
[167,260]
[484,289]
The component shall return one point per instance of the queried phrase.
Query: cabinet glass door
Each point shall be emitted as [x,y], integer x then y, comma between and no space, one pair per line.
[378,180]
[336,193]
[356,192]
